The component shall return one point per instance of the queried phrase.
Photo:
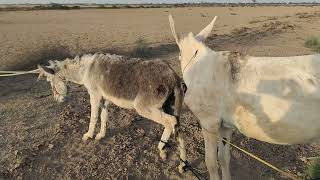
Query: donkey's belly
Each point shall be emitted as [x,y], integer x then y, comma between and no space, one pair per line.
[124,103]
[279,121]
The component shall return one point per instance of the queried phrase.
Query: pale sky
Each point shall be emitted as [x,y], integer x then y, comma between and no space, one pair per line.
[139,1]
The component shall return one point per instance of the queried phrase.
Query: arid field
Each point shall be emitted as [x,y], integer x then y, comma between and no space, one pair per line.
[41,139]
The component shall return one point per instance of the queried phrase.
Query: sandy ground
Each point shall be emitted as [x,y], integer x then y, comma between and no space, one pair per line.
[40,139]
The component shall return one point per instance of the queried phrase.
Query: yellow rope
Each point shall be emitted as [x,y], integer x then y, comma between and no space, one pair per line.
[291,176]
[312,158]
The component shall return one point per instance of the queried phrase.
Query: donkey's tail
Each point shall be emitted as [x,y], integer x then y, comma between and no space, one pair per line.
[178,100]
[179,135]
[173,104]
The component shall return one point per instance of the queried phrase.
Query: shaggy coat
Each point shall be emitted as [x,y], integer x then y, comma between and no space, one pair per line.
[152,88]
[126,79]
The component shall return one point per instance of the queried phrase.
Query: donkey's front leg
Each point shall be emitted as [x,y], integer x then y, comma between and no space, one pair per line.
[95,104]
[211,141]
[224,153]
[104,119]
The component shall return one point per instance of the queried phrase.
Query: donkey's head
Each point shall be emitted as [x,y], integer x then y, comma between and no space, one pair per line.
[54,73]
[191,45]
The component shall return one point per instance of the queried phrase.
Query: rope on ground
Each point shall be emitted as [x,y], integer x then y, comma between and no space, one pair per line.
[187,164]
[199,176]
[312,158]
[291,176]
[193,170]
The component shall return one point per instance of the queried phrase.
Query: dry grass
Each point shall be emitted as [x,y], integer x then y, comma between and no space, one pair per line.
[240,30]
[272,18]
[255,21]
[263,20]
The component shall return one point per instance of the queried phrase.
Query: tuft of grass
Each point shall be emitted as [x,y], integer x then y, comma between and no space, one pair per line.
[313,43]
[241,30]
[142,50]
[272,18]
[254,21]
[313,170]
[55,6]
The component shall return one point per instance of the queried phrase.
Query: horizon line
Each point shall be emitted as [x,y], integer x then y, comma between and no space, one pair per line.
[289,2]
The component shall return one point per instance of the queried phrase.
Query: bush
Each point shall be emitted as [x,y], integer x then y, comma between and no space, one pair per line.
[101,6]
[313,170]
[313,43]
[141,49]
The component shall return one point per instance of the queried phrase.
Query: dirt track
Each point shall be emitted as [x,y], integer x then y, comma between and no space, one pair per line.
[41,139]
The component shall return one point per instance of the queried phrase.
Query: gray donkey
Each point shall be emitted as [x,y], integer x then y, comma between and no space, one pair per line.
[152,88]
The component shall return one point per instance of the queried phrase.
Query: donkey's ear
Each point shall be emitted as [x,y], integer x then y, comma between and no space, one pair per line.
[173,30]
[206,31]
[45,71]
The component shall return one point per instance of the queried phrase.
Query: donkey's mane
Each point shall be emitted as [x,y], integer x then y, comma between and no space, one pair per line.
[236,62]
[80,60]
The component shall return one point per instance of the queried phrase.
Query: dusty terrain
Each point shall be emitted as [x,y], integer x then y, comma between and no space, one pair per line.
[41,139]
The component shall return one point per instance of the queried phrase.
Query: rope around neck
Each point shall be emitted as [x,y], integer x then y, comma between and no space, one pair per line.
[194,55]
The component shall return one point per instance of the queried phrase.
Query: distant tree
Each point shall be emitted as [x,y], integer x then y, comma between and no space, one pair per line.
[254,1]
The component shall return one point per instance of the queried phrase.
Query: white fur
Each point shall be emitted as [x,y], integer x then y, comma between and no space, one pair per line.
[275,99]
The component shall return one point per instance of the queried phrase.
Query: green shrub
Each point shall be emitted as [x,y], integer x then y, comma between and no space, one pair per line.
[141,49]
[313,170]
[313,43]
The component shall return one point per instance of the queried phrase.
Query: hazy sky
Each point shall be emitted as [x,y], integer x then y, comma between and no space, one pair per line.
[139,1]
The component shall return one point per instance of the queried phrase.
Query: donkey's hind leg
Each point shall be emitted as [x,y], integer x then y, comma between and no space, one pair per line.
[169,122]
[182,149]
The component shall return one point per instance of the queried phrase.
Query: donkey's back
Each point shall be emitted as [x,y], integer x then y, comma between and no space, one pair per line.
[279,97]
[122,80]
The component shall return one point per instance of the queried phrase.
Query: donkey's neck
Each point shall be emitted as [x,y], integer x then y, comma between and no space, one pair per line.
[74,75]
[75,69]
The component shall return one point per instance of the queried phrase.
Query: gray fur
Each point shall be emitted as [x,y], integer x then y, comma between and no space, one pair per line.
[149,87]
[127,78]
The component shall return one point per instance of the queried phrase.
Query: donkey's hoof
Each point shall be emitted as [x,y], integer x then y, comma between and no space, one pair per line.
[182,168]
[163,154]
[99,136]
[86,136]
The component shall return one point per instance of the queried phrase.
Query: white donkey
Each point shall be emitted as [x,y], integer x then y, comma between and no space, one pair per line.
[272,99]
[152,88]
